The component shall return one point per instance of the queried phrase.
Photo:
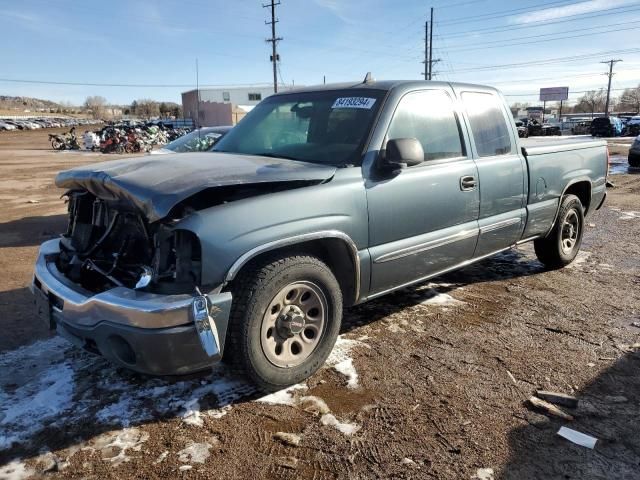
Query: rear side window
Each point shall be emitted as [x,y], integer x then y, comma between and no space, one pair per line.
[429,117]
[488,124]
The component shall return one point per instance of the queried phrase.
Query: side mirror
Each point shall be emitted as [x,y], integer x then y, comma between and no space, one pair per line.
[402,153]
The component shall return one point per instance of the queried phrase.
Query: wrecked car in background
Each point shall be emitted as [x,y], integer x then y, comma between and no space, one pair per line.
[320,198]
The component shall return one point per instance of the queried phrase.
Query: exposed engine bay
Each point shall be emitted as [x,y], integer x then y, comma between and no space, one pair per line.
[108,244]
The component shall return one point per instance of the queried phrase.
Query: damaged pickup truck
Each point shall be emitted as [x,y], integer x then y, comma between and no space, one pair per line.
[319,199]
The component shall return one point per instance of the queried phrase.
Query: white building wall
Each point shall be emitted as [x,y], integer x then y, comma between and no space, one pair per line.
[238,95]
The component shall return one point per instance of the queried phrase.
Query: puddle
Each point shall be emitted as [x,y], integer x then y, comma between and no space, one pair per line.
[619,164]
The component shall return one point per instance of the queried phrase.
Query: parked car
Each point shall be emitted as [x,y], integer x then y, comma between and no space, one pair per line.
[632,128]
[606,127]
[634,153]
[320,198]
[549,130]
[523,132]
[200,140]
[6,126]
[581,128]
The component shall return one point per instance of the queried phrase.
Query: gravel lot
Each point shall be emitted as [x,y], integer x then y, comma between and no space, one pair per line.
[430,382]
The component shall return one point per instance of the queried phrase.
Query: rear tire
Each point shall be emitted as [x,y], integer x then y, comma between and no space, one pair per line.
[561,246]
[285,319]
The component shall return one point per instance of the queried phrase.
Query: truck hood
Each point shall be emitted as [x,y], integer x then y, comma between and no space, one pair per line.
[154,185]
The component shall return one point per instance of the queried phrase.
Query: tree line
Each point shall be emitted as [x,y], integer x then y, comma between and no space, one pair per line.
[594,101]
[98,107]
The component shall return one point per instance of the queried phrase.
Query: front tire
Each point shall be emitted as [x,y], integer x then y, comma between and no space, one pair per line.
[561,246]
[285,319]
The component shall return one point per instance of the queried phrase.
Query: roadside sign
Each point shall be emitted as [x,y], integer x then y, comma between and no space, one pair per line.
[552,94]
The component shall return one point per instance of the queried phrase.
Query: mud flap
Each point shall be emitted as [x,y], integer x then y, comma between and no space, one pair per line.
[205,326]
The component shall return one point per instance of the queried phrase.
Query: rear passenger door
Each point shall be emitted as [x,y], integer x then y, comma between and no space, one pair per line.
[423,219]
[501,171]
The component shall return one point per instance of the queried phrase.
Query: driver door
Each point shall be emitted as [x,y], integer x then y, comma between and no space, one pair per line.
[424,219]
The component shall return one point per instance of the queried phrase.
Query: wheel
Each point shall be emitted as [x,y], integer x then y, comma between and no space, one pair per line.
[634,161]
[561,246]
[285,319]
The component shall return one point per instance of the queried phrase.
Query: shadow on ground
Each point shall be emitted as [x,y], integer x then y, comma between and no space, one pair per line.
[608,410]
[31,231]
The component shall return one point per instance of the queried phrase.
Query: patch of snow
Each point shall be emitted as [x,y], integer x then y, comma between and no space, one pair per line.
[581,258]
[484,474]
[192,414]
[313,404]
[15,470]
[113,446]
[161,457]
[194,453]
[629,215]
[441,299]
[345,427]
[285,396]
[347,369]
[43,394]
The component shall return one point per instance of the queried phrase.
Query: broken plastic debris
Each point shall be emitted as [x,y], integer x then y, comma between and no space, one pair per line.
[577,437]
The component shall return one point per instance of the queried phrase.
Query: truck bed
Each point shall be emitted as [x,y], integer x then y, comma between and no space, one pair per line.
[544,145]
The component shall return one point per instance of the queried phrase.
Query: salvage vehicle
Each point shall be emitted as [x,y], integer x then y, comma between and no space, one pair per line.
[634,153]
[581,128]
[319,199]
[606,127]
[200,140]
[523,132]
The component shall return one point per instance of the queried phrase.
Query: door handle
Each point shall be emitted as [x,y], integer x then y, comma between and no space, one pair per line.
[468,183]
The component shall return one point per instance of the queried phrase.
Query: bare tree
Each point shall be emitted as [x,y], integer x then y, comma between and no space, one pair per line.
[147,108]
[591,102]
[630,100]
[96,105]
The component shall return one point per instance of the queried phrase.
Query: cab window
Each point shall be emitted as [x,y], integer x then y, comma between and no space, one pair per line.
[488,124]
[429,117]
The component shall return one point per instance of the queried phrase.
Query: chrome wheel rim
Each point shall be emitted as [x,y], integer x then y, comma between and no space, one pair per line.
[570,231]
[294,324]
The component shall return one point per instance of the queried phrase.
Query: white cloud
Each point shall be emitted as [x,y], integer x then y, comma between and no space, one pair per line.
[337,7]
[567,11]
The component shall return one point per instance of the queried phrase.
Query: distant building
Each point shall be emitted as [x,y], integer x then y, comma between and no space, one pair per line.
[224,105]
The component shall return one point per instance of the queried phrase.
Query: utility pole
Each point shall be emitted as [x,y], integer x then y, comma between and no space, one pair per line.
[611,63]
[431,46]
[426,50]
[429,55]
[274,42]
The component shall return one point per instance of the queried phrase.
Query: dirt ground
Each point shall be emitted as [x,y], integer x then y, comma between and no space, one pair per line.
[429,382]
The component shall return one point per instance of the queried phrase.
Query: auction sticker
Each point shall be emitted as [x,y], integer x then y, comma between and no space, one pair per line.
[354,102]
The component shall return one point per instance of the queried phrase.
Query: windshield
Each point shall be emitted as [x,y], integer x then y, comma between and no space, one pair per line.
[196,141]
[321,127]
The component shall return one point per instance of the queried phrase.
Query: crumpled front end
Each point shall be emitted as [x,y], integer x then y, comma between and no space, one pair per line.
[122,287]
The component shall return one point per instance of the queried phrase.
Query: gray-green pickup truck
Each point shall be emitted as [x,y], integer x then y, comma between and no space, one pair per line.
[321,198]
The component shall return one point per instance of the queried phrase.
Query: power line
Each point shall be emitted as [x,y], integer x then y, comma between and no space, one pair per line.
[549,61]
[131,85]
[501,43]
[274,42]
[507,13]
[570,93]
[543,23]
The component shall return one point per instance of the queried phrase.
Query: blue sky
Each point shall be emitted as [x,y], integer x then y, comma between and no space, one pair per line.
[156,43]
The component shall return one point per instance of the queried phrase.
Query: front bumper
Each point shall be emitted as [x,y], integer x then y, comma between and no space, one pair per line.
[146,332]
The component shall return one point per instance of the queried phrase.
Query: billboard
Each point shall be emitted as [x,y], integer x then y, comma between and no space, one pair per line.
[554,94]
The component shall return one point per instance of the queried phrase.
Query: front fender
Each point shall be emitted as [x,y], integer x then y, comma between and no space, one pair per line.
[231,234]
